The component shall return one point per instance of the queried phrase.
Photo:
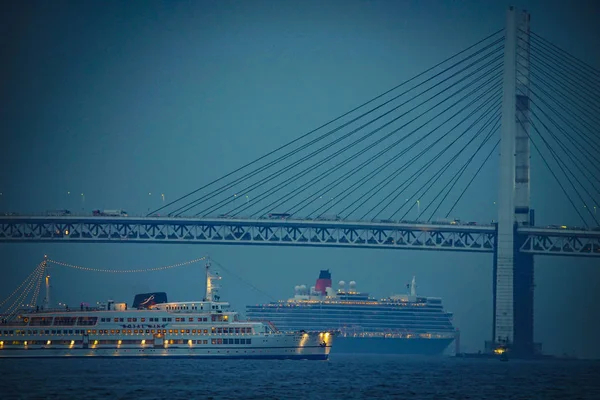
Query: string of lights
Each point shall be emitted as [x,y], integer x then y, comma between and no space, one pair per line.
[126,271]
[40,278]
[15,305]
[21,285]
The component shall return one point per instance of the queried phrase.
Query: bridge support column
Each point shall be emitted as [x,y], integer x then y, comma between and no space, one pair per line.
[513,271]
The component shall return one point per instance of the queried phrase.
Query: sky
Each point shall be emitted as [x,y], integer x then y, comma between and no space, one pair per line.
[111,104]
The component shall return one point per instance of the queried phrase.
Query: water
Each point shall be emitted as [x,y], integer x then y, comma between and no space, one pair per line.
[347,377]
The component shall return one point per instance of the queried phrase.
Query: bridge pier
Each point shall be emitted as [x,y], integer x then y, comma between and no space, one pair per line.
[513,270]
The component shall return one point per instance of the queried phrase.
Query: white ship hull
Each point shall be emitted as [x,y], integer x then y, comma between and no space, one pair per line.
[307,353]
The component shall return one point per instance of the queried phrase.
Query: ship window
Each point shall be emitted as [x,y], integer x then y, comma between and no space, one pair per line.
[191,320]
[248,341]
[206,331]
[219,341]
[147,331]
[213,341]
[205,342]
[134,319]
[205,319]
[128,319]
[219,330]
[143,319]
[237,330]
[164,319]
[86,321]
[169,319]
[213,329]
[182,331]
[116,320]
[120,319]
[236,341]
[187,331]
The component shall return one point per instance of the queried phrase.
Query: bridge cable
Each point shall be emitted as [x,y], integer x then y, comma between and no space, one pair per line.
[421,171]
[580,104]
[390,177]
[574,159]
[360,152]
[573,103]
[560,164]
[568,71]
[552,172]
[592,70]
[252,187]
[335,119]
[457,175]
[473,178]
[587,140]
[350,173]
[281,171]
[438,174]
[560,70]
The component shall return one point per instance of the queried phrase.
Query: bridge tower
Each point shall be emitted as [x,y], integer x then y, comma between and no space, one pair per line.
[513,271]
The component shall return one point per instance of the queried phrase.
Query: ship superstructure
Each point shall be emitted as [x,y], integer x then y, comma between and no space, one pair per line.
[404,323]
[155,327]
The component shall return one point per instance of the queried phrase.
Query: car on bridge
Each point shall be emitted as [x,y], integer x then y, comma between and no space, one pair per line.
[279,215]
[58,213]
[109,213]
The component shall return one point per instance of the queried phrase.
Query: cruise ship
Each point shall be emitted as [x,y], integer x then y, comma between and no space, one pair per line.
[400,324]
[155,327]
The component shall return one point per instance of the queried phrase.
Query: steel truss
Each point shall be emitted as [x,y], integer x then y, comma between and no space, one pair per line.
[291,232]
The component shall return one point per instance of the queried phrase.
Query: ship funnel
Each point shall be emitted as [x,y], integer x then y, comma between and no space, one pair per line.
[323,282]
[413,287]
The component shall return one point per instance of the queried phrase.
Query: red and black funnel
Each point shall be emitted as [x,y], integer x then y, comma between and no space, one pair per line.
[323,282]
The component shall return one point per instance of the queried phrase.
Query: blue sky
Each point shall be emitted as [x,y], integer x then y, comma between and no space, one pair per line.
[120,99]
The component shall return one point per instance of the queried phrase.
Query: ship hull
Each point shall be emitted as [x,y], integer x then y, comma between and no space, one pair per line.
[306,353]
[378,345]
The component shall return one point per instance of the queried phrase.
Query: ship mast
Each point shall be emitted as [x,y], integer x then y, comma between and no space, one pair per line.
[212,289]
[47,279]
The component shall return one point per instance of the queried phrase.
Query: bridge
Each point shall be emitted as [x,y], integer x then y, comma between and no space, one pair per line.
[426,140]
[389,235]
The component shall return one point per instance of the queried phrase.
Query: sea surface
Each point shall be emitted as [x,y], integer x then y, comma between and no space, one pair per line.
[341,377]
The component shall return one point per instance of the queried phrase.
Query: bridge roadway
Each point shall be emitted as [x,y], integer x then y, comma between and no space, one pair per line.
[296,232]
